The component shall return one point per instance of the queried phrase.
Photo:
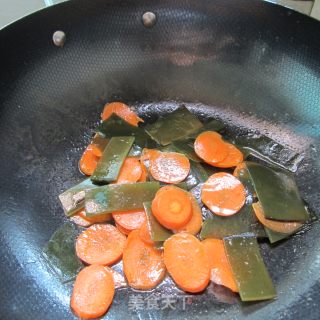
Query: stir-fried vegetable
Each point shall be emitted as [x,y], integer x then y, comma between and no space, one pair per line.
[142,263]
[73,199]
[121,110]
[172,207]
[60,253]
[112,159]
[100,244]
[220,270]
[115,126]
[93,292]
[278,193]
[187,262]
[157,231]
[155,226]
[248,268]
[220,227]
[120,197]
[223,194]
[177,125]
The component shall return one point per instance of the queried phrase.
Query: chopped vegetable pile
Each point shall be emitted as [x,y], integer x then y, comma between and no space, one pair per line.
[139,205]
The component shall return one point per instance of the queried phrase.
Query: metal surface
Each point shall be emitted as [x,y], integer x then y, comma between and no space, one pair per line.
[251,63]
[149,19]
[59,38]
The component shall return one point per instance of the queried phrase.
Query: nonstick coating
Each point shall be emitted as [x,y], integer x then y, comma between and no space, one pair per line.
[251,63]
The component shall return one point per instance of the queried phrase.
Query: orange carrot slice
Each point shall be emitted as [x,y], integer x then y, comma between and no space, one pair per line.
[121,110]
[143,264]
[195,223]
[223,194]
[123,230]
[130,220]
[169,167]
[233,158]
[100,244]
[118,278]
[130,171]
[82,220]
[147,154]
[210,147]
[92,293]
[238,169]
[88,161]
[277,226]
[186,262]
[221,272]
[145,234]
[144,174]
[172,207]
[98,145]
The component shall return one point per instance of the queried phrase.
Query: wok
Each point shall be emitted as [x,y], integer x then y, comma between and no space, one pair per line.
[251,63]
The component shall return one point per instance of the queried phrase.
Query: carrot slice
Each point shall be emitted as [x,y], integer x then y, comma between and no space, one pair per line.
[143,264]
[100,244]
[92,293]
[82,220]
[130,220]
[221,272]
[195,223]
[277,226]
[130,171]
[169,167]
[123,230]
[210,147]
[121,110]
[187,262]
[223,194]
[147,154]
[118,278]
[144,174]
[94,219]
[237,170]
[88,161]
[172,207]
[145,234]
[233,158]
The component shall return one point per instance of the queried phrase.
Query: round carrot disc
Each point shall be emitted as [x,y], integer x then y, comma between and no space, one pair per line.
[130,220]
[172,207]
[186,261]
[122,229]
[169,167]
[100,244]
[144,174]
[88,161]
[92,293]
[221,272]
[195,223]
[130,171]
[210,147]
[121,110]
[223,194]
[143,264]
[144,233]
[233,158]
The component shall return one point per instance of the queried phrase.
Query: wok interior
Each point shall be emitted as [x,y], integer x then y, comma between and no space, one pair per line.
[248,63]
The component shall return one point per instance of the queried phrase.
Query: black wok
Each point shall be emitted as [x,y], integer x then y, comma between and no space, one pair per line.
[251,63]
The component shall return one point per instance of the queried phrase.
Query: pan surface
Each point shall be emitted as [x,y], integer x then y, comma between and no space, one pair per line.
[251,63]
